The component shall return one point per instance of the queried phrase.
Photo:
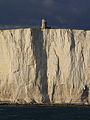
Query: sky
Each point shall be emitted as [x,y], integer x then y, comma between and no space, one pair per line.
[58,13]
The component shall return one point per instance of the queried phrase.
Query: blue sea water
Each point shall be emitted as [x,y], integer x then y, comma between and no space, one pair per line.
[44,113]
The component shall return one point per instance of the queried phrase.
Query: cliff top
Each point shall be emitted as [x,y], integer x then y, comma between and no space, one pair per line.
[37,27]
[43,25]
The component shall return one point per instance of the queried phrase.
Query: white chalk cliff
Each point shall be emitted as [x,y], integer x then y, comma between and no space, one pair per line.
[45,66]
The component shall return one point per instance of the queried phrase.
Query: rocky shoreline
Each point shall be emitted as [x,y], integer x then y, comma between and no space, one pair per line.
[43,105]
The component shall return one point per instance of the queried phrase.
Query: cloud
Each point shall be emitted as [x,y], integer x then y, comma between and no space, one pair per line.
[62,20]
[48,3]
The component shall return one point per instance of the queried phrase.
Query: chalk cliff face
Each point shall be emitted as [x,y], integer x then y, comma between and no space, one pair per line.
[45,66]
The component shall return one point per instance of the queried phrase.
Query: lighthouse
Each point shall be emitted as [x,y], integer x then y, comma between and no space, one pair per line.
[44,24]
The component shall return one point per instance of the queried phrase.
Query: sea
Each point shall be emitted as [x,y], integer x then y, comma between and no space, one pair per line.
[44,113]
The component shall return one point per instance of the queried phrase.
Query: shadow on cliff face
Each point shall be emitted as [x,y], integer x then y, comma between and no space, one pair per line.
[72,41]
[84,96]
[39,52]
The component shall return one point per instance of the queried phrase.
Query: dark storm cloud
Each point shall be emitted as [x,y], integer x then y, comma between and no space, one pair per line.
[59,13]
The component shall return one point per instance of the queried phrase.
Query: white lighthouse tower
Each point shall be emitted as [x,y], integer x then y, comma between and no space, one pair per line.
[44,24]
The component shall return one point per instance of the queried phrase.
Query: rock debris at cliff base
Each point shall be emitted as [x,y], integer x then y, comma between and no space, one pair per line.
[45,66]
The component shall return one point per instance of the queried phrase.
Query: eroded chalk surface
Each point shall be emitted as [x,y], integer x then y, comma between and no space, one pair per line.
[45,66]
